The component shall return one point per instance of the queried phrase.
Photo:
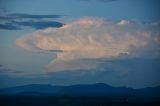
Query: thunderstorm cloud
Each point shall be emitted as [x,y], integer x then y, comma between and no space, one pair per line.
[76,44]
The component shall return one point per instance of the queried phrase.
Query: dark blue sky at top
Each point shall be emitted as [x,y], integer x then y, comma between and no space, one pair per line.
[20,17]
[145,10]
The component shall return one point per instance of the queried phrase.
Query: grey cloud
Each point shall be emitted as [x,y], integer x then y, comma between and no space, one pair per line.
[4,70]
[39,24]
[18,20]
[55,51]
[3,10]
[5,18]
[9,26]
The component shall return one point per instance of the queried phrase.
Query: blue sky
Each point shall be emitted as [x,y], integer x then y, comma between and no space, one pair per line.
[130,26]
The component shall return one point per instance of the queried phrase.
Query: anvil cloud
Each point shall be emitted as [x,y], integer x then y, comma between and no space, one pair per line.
[91,38]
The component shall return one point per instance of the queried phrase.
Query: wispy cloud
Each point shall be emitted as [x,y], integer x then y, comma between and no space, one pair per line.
[23,15]
[9,26]
[92,38]
[9,71]
[1,65]
[29,16]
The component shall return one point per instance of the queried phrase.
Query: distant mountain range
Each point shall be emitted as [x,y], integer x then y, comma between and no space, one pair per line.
[98,89]
[98,94]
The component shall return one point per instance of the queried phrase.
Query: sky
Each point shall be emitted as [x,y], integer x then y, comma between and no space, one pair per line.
[61,42]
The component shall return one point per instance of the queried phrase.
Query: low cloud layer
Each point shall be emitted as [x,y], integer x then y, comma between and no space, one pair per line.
[92,38]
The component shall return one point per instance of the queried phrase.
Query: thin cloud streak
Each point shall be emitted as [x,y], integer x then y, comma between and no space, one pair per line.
[9,26]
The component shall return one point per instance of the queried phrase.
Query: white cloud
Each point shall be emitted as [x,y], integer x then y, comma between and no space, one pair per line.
[123,22]
[87,38]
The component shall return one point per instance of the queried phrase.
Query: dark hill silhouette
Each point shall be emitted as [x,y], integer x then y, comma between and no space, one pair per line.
[34,88]
[99,89]
[79,95]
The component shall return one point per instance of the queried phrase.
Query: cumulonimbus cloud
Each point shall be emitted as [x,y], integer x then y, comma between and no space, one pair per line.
[89,38]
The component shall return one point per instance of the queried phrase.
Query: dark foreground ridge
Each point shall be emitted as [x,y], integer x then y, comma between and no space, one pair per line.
[78,95]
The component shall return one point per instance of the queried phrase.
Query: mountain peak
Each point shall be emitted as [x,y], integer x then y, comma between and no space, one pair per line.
[101,84]
[37,85]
